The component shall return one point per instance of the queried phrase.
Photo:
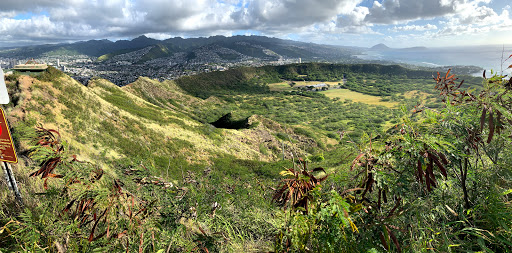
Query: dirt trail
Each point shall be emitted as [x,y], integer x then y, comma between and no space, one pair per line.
[18,113]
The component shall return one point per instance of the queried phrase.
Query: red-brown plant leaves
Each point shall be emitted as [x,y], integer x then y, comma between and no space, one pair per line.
[491,126]
[433,157]
[295,189]
[92,212]
[449,90]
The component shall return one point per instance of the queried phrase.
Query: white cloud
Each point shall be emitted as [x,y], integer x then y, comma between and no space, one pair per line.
[474,19]
[67,20]
[43,30]
[472,13]
[117,18]
[7,14]
[32,5]
[400,11]
[407,28]
[354,18]
[404,11]
[280,14]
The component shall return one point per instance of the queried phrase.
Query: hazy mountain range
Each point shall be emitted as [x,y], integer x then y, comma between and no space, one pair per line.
[257,50]
[252,46]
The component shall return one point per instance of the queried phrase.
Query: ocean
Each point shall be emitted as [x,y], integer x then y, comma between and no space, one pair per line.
[487,57]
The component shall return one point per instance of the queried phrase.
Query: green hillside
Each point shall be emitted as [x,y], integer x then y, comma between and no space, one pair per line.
[387,80]
[108,56]
[156,52]
[104,119]
[150,127]
[251,160]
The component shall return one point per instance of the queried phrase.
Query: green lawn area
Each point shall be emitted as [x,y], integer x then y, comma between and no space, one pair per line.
[283,86]
[344,94]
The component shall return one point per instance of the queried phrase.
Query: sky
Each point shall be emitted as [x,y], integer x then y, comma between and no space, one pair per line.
[396,23]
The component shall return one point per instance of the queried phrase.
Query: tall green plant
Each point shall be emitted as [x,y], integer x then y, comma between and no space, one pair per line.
[442,161]
[316,221]
[82,208]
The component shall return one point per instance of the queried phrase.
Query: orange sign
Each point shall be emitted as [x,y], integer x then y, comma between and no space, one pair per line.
[7,152]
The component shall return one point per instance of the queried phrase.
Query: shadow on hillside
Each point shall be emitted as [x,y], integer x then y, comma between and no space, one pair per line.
[227,122]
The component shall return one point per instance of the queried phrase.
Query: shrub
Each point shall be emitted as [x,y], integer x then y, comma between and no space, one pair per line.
[50,74]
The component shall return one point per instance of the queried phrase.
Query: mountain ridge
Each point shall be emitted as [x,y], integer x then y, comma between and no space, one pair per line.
[380,46]
[102,120]
[97,48]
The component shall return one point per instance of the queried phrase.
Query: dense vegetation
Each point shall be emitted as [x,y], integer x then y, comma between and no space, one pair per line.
[438,181]
[234,81]
[373,79]
[342,176]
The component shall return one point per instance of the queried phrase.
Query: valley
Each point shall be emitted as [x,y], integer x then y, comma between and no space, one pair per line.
[258,126]
[147,166]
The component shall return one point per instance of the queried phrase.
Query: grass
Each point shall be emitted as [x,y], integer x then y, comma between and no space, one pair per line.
[124,127]
[236,169]
[345,94]
[342,94]
[103,120]
[284,86]
[416,94]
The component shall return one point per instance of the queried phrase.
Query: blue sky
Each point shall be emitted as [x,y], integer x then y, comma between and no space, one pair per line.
[397,23]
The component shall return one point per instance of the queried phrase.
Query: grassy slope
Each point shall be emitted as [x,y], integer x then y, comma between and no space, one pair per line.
[157,121]
[146,120]
[155,124]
